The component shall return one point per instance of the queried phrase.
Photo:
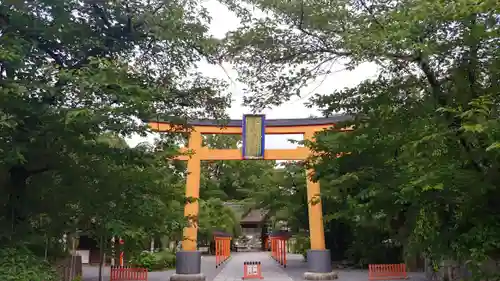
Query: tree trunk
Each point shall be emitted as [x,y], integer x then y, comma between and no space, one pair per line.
[46,252]
[18,175]
[165,242]
[101,255]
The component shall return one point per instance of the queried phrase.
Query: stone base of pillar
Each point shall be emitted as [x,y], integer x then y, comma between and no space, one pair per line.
[187,277]
[319,266]
[188,266]
[320,275]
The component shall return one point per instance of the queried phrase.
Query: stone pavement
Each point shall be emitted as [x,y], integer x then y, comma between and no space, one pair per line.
[233,269]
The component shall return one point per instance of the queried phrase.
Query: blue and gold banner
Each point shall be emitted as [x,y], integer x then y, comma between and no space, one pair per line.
[253,135]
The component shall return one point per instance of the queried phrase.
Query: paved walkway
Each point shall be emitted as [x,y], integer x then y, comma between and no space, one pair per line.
[233,269]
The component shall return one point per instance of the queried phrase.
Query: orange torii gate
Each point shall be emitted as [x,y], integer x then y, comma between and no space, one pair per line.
[253,128]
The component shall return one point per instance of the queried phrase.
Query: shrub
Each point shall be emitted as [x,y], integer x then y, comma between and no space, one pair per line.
[302,245]
[20,264]
[165,259]
[145,260]
[155,261]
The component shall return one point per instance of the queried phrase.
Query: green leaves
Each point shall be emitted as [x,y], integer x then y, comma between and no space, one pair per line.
[421,164]
[20,264]
[214,216]
[75,77]
[493,146]
[438,186]
[473,128]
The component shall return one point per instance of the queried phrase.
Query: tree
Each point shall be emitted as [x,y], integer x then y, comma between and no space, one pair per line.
[228,181]
[285,197]
[233,180]
[74,78]
[215,216]
[425,130]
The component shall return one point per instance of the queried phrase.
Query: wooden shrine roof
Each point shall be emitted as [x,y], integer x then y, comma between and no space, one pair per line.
[221,234]
[254,216]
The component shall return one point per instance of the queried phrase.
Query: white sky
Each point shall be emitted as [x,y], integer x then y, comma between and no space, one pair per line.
[224,21]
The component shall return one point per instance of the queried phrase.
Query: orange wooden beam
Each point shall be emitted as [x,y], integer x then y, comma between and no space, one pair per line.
[205,153]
